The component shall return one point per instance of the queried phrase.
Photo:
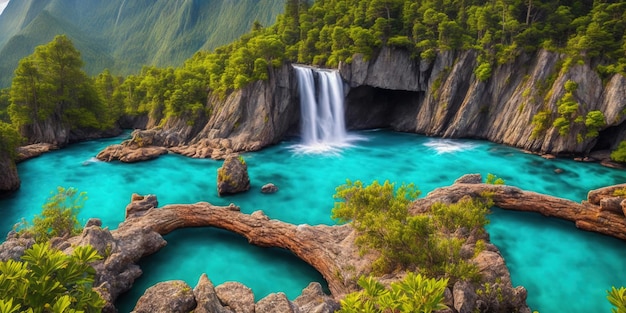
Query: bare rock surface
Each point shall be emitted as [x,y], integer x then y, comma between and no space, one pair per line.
[236,297]
[34,150]
[172,297]
[206,297]
[275,303]
[233,177]
[269,188]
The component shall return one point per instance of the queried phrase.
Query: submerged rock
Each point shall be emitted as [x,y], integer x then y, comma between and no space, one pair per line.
[233,177]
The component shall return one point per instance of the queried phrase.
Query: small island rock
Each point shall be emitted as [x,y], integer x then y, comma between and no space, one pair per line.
[233,177]
[269,188]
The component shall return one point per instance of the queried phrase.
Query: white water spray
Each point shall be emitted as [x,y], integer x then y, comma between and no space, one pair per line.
[321,104]
[119,12]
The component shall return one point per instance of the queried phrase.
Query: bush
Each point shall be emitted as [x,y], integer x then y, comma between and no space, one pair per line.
[414,293]
[617,297]
[619,154]
[47,280]
[58,217]
[380,215]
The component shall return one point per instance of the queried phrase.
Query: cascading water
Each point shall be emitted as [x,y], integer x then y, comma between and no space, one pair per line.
[323,125]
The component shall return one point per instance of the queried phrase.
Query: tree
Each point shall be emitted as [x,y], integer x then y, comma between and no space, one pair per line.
[47,280]
[59,217]
[619,154]
[10,139]
[50,84]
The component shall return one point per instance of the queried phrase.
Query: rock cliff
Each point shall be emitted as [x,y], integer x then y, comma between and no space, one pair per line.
[10,181]
[439,97]
[444,98]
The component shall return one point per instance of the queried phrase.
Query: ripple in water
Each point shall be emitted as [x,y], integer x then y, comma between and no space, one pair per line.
[442,146]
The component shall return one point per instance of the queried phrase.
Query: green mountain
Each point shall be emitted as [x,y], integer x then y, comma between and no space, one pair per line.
[124,35]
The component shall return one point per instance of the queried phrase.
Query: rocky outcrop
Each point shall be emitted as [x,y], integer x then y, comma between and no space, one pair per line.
[10,181]
[236,297]
[444,98]
[233,177]
[141,146]
[31,151]
[248,119]
[172,296]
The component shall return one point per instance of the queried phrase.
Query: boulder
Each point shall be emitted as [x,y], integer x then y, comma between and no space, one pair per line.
[612,204]
[464,297]
[233,177]
[275,303]
[172,297]
[139,205]
[269,188]
[206,297]
[314,300]
[469,179]
[236,296]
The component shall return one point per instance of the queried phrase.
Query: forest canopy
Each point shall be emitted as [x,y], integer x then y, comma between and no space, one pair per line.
[326,33]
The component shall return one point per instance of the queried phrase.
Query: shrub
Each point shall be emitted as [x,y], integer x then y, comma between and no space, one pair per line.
[619,154]
[47,280]
[494,180]
[414,293]
[58,217]
[380,214]
[617,297]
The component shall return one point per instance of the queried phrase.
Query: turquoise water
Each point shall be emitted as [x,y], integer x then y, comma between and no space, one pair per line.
[564,270]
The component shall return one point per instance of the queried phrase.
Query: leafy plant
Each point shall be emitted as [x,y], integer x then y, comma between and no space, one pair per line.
[58,217]
[494,180]
[619,154]
[414,293]
[47,280]
[381,217]
[617,297]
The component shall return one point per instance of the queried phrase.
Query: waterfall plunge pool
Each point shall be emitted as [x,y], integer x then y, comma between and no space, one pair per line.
[564,269]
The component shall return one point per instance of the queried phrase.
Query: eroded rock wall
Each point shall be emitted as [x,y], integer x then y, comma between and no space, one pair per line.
[444,98]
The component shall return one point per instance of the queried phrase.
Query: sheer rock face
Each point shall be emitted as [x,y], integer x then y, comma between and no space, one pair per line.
[10,180]
[444,98]
[233,177]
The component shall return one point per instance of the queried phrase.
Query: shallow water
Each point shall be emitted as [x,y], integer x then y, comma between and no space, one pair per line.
[564,270]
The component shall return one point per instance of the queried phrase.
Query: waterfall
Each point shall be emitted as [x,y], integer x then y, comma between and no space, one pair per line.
[321,104]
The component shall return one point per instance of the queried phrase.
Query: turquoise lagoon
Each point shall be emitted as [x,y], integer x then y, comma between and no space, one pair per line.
[564,269]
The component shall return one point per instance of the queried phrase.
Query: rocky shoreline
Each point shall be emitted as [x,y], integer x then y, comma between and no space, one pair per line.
[329,249]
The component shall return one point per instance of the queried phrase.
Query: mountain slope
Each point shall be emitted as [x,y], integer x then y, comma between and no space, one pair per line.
[124,35]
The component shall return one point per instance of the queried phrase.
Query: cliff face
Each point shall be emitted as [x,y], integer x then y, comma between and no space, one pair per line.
[10,181]
[444,98]
[440,97]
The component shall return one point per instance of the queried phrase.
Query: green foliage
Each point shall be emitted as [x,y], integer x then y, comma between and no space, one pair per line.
[594,121]
[381,217]
[10,139]
[494,180]
[414,293]
[483,71]
[617,298]
[47,280]
[50,84]
[619,154]
[58,217]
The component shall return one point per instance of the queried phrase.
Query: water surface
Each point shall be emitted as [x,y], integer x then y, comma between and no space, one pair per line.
[564,270]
